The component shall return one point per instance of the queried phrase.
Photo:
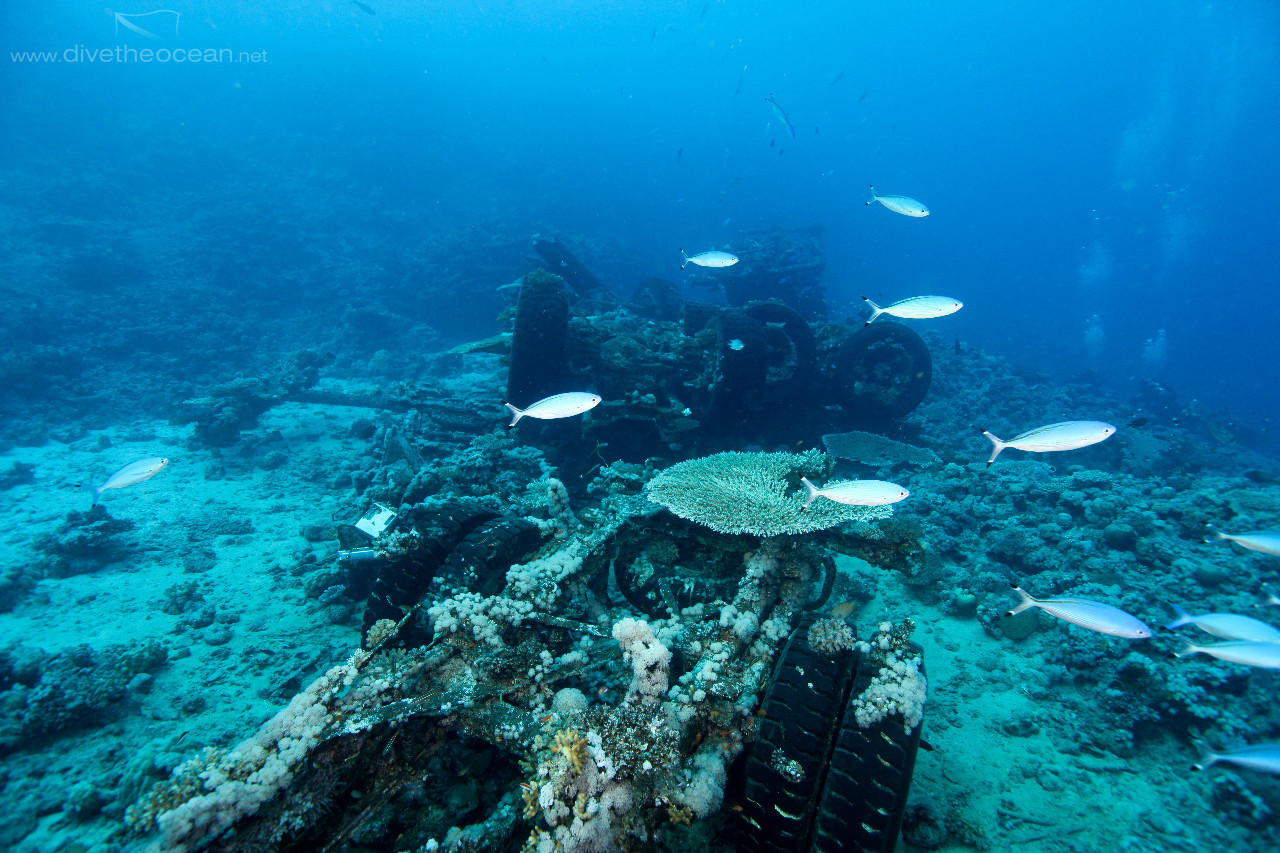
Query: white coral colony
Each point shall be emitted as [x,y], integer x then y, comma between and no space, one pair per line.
[898,688]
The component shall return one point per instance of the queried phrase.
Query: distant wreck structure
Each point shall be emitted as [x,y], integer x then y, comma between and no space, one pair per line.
[785,264]
[680,376]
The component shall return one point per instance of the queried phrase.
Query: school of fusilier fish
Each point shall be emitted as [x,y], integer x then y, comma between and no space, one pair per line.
[1248,641]
[1239,639]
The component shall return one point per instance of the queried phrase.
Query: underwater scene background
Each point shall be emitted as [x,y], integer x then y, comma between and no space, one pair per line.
[279,265]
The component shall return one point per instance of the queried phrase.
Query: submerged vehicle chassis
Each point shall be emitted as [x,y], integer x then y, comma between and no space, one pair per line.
[679,377]
[618,678]
[603,697]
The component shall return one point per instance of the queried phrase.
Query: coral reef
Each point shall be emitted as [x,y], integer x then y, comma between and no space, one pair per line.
[85,542]
[48,694]
[615,670]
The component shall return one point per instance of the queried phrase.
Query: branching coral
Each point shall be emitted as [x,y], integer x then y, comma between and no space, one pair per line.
[573,747]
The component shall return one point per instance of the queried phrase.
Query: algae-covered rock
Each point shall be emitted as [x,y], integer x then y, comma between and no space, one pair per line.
[78,687]
[15,582]
[964,603]
[85,542]
[1120,536]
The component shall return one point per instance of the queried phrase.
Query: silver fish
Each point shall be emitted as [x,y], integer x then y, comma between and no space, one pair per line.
[916,308]
[1093,615]
[1228,626]
[709,259]
[782,116]
[899,204]
[134,472]
[1260,756]
[1266,541]
[736,345]
[1247,652]
[554,407]
[856,492]
[1067,435]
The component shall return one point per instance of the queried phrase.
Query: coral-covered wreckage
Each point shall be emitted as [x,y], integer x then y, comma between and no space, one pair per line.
[618,665]
[589,704]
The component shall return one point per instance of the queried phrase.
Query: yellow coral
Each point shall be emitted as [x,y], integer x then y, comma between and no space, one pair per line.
[572,747]
[530,799]
[379,631]
[682,815]
[580,808]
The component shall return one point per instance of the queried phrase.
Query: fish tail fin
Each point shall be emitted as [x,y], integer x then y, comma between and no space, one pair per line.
[998,446]
[876,310]
[516,414]
[1215,535]
[97,492]
[1208,757]
[874,197]
[810,491]
[686,259]
[1183,617]
[1188,648]
[1025,602]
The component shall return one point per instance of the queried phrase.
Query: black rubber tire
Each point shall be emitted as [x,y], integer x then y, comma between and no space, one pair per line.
[739,371]
[856,781]
[866,788]
[479,562]
[801,712]
[539,339]
[790,346]
[882,371]
[829,572]
[402,580]
[696,315]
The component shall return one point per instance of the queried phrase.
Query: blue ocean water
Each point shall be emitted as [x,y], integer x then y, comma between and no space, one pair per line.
[361,177]
[1108,159]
